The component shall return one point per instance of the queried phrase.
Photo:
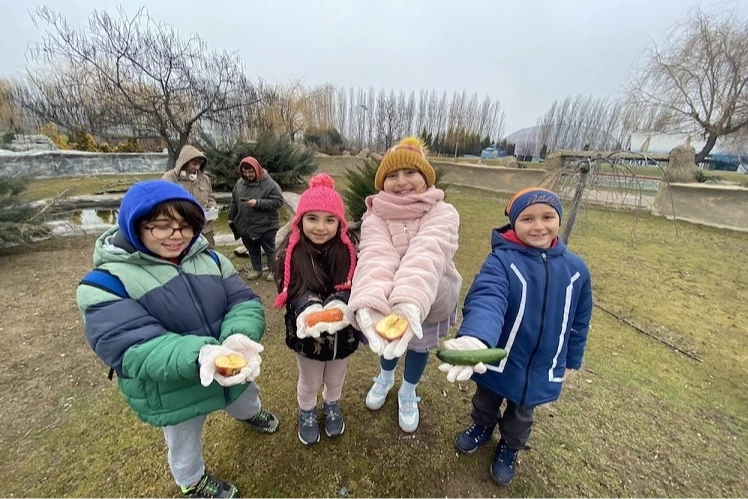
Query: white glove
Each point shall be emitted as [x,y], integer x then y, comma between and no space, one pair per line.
[325,327]
[367,320]
[302,330]
[412,314]
[250,350]
[334,327]
[459,372]
[207,361]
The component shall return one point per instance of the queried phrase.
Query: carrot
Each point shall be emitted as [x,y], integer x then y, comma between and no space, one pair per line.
[329,315]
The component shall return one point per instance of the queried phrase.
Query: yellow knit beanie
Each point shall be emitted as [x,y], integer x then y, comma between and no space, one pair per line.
[408,153]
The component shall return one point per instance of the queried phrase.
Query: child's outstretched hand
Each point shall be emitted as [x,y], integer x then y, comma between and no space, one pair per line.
[412,314]
[463,373]
[334,327]
[367,319]
[207,361]
[302,329]
[248,349]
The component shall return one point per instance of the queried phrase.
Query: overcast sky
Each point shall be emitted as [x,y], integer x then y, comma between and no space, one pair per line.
[526,53]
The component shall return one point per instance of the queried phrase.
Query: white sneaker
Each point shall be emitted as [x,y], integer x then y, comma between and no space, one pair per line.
[378,393]
[407,412]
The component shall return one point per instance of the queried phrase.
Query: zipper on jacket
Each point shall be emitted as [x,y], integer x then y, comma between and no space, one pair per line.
[194,300]
[335,346]
[540,332]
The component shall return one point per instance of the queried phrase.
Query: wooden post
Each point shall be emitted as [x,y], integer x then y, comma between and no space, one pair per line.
[576,203]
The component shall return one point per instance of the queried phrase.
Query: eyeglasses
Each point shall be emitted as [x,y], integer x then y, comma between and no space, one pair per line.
[166,231]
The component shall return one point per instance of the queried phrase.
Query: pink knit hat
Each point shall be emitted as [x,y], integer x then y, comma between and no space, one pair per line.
[321,196]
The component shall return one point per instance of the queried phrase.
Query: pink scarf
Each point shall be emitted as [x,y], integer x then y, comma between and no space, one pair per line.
[390,207]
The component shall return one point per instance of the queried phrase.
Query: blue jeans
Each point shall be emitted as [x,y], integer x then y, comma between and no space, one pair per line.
[255,247]
[184,440]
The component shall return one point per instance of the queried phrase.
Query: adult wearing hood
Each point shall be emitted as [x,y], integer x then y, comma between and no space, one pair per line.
[189,172]
[253,215]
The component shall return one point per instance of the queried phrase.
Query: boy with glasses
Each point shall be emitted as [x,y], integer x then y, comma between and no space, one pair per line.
[159,308]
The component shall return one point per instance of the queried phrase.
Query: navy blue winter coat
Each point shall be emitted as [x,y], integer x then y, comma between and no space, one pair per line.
[537,305]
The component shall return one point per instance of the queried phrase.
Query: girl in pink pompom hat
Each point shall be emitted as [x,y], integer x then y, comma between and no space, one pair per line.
[313,270]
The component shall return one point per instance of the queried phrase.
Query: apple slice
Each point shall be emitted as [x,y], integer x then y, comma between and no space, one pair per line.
[391,327]
[230,365]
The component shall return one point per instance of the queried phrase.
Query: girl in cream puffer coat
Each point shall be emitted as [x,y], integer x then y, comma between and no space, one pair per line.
[405,267]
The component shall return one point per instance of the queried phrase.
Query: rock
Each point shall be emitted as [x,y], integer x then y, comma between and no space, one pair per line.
[554,161]
[346,153]
[509,162]
[281,235]
[363,153]
[23,143]
[375,156]
[682,164]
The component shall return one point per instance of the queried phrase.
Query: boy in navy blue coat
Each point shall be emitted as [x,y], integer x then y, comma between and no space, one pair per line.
[532,297]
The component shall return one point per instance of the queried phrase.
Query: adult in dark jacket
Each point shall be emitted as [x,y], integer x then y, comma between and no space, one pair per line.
[253,215]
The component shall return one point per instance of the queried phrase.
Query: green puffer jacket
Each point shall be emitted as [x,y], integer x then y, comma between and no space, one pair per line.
[153,339]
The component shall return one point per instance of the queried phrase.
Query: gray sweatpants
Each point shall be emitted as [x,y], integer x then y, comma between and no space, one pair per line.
[515,424]
[184,440]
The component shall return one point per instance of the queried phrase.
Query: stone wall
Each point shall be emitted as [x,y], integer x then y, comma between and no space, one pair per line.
[78,163]
[45,164]
[722,206]
[714,205]
[338,165]
[495,178]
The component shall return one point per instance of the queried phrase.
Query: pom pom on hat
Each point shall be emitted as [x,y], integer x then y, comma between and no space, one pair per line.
[408,153]
[321,180]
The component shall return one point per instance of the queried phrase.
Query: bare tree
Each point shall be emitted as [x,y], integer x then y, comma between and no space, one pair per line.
[9,114]
[377,119]
[341,111]
[371,117]
[422,119]
[603,124]
[699,75]
[298,108]
[132,76]
[388,118]
[406,110]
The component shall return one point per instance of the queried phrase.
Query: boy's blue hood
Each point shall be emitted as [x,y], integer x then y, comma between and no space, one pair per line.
[140,199]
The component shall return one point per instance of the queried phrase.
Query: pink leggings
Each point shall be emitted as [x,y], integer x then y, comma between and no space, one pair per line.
[313,374]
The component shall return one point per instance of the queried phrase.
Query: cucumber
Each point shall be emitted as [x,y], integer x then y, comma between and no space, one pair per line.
[471,357]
